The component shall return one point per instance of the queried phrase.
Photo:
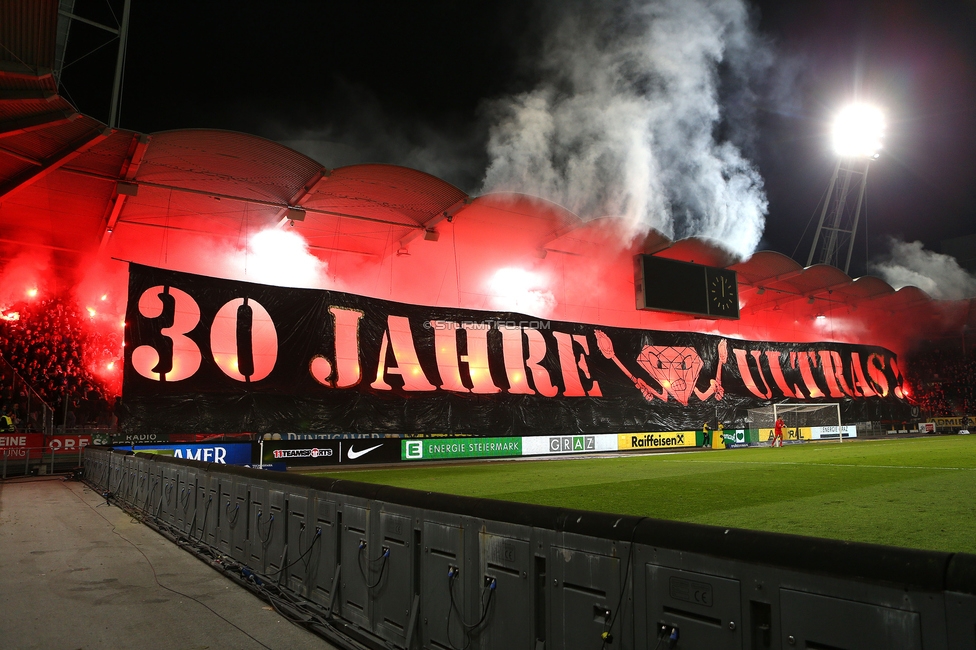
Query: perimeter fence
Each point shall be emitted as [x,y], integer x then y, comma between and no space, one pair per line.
[371,566]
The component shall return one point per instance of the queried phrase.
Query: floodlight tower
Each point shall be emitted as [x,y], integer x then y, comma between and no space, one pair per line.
[858,131]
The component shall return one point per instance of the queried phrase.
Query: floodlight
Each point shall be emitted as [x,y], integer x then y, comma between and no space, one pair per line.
[858,131]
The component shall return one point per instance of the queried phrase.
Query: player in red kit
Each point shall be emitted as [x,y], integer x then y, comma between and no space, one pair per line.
[778,432]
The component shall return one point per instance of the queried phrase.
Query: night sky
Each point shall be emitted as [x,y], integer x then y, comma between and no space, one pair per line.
[413,84]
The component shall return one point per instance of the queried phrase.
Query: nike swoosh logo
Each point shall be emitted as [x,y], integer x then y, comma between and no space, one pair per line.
[353,455]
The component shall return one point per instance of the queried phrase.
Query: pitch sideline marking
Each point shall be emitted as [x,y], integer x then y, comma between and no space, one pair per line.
[815,464]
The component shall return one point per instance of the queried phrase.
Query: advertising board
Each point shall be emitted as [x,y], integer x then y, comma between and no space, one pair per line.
[231,453]
[69,444]
[790,434]
[18,445]
[457,448]
[656,440]
[949,423]
[832,433]
[327,436]
[278,454]
[576,444]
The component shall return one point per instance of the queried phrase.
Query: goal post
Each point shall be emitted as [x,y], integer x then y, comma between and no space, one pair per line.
[823,419]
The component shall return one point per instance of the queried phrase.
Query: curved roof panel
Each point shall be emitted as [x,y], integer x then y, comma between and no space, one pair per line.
[228,163]
[592,235]
[383,192]
[902,299]
[867,286]
[545,219]
[699,251]
[765,265]
[815,279]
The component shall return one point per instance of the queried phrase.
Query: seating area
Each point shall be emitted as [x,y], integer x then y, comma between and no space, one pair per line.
[52,354]
[942,380]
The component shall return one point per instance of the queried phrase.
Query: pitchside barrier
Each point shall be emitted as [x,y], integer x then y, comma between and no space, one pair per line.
[371,566]
[24,454]
[283,454]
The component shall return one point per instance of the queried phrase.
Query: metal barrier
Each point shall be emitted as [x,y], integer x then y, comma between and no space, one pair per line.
[27,461]
[371,566]
[38,414]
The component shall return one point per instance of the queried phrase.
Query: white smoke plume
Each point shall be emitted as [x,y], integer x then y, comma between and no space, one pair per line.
[626,121]
[940,276]
[277,257]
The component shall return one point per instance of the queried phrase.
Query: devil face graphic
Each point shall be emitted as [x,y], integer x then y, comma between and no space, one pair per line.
[675,369]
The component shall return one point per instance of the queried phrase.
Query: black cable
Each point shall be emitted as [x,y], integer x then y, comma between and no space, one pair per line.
[623,587]
[159,507]
[265,542]
[206,511]
[186,501]
[468,628]
[149,495]
[451,580]
[369,562]
[318,534]
[156,577]
[237,511]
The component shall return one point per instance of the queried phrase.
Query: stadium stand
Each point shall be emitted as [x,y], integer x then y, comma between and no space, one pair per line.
[942,380]
[49,350]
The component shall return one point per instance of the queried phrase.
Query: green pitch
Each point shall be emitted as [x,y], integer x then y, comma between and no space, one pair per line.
[917,493]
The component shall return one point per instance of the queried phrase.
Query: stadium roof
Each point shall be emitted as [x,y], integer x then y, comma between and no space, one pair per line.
[76,191]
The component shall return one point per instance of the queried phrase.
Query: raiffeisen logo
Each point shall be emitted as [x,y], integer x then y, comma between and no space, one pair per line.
[657,440]
[314,452]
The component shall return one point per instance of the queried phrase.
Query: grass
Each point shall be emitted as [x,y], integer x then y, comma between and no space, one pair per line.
[918,493]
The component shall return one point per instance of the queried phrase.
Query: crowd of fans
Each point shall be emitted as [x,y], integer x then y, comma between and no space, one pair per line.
[46,352]
[942,380]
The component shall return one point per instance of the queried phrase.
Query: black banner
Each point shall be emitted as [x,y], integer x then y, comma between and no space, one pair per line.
[204,354]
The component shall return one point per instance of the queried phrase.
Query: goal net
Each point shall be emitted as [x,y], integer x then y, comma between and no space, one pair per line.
[803,421]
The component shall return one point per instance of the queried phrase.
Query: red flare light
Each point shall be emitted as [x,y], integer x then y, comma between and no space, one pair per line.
[32,292]
[14,315]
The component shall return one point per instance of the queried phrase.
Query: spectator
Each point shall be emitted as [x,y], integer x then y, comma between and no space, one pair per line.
[50,349]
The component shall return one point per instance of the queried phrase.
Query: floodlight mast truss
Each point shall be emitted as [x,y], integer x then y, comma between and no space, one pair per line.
[66,11]
[837,227]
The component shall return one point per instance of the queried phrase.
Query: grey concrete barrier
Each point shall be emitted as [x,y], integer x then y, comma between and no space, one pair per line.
[373,566]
